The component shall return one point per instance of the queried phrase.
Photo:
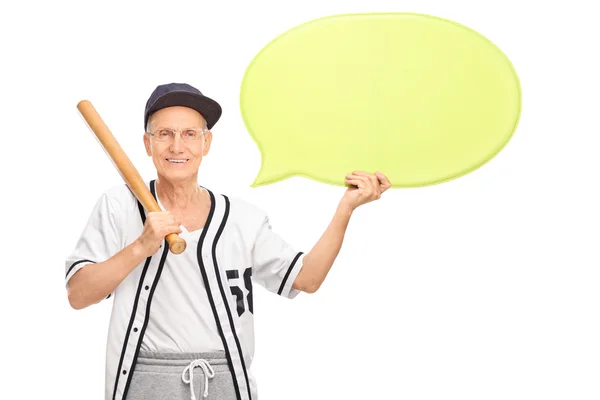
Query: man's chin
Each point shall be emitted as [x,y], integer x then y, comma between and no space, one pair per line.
[178,175]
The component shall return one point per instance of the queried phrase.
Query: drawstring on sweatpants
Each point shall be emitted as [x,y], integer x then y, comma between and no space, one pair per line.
[208,373]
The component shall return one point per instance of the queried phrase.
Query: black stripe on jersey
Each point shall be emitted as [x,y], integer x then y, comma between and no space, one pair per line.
[209,293]
[79,262]
[218,275]
[287,274]
[75,263]
[141,208]
[146,318]
[131,319]
[134,309]
[148,305]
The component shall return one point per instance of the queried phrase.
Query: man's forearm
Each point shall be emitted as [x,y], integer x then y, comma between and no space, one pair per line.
[319,260]
[95,282]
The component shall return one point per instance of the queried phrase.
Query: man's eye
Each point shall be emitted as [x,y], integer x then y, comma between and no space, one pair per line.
[190,134]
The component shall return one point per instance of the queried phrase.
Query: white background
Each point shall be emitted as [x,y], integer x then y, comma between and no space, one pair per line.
[486,287]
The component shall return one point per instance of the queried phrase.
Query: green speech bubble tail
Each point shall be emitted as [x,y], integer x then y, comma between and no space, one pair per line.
[269,173]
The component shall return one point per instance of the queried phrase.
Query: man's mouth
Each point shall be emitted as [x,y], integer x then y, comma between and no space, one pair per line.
[177,160]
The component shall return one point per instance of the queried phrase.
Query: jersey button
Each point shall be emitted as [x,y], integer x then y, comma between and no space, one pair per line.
[147,287]
[124,372]
[135,329]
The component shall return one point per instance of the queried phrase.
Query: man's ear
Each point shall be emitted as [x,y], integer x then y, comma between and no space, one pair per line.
[207,141]
[147,145]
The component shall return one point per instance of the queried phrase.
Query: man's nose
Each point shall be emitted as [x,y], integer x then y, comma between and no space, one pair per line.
[177,145]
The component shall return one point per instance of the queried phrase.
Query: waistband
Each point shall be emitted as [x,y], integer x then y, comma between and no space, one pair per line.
[183,364]
[183,358]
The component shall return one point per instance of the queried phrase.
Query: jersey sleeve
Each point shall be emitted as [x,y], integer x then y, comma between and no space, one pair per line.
[275,262]
[100,239]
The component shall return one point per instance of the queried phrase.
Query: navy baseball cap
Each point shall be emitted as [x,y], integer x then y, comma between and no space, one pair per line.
[182,94]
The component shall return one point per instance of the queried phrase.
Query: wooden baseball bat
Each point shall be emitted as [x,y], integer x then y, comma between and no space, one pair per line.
[125,167]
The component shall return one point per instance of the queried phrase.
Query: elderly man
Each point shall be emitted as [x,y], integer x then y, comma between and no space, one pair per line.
[175,313]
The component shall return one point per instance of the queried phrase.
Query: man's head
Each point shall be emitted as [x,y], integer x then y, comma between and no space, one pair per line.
[177,123]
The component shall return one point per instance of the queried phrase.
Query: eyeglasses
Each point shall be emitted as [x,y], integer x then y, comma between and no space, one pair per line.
[167,135]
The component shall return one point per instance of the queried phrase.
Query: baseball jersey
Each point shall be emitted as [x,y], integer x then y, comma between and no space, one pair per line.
[235,248]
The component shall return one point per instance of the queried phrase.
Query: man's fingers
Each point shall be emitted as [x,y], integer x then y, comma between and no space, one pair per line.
[355,182]
[373,178]
[361,178]
[379,180]
[175,220]
[361,173]
[160,215]
[170,229]
[164,217]
[385,183]
[358,176]
[364,183]
[382,178]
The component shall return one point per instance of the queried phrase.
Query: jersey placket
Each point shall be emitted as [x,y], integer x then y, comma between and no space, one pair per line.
[139,316]
[219,296]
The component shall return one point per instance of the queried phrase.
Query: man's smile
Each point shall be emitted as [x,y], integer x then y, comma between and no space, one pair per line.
[177,160]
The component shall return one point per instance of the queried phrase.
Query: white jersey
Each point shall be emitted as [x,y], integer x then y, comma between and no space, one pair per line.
[156,304]
[174,317]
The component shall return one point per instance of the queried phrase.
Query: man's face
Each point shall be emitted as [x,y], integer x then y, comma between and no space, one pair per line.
[177,159]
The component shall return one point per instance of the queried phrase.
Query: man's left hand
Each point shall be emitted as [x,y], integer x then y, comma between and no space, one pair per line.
[364,188]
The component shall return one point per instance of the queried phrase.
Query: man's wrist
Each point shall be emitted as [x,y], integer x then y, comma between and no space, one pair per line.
[345,208]
[138,250]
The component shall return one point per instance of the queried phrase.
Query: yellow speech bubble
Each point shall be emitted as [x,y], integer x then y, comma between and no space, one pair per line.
[421,99]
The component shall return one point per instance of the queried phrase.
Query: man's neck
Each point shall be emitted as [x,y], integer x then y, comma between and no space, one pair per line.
[180,194]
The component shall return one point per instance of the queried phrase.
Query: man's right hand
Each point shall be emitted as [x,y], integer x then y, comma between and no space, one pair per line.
[157,226]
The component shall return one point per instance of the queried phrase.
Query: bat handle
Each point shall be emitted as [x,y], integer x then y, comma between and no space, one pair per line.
[176,244]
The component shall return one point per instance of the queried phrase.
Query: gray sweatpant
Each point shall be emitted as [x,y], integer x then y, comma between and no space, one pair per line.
[166,376]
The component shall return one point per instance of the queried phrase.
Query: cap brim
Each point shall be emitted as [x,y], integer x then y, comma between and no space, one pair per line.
[210,109]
